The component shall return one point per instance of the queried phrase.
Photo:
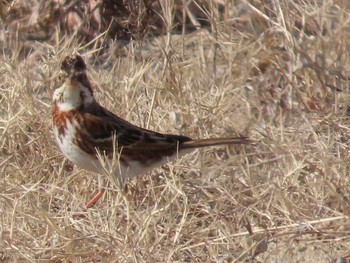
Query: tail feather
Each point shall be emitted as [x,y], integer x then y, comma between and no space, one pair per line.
[214,141]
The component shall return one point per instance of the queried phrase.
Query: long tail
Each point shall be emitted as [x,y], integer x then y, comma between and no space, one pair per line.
[214,141]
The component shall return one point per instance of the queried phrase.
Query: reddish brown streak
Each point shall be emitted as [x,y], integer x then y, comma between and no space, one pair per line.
[126,153]
[146,151]
[61,119]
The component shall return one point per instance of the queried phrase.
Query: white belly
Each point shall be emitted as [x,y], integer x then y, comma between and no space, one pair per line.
[73,152]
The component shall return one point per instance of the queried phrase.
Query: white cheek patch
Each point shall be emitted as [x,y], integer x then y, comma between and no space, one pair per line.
[58,94]
[71,98]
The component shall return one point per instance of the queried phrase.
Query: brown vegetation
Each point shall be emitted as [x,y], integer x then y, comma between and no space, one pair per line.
[276,71]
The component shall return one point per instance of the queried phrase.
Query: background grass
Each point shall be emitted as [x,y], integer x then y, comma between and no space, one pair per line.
[277,72]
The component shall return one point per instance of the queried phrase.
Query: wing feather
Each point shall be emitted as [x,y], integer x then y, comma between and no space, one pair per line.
[103,128]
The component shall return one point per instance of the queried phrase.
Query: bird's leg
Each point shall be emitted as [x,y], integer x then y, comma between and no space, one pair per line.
[94,199]
[98,195]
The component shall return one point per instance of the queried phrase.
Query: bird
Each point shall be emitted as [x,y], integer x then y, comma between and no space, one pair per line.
[83,129]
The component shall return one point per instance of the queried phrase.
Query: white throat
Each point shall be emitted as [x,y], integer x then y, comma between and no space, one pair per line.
[72,95]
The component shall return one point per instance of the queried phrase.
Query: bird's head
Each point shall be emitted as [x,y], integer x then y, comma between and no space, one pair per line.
[73,64]
[76,92]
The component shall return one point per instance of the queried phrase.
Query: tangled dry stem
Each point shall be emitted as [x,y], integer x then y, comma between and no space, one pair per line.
[276,71]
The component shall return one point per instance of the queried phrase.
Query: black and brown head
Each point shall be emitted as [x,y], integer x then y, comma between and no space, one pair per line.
[75,91]
[74,63]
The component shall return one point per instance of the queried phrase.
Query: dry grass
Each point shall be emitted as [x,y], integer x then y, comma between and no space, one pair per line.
[279,76]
